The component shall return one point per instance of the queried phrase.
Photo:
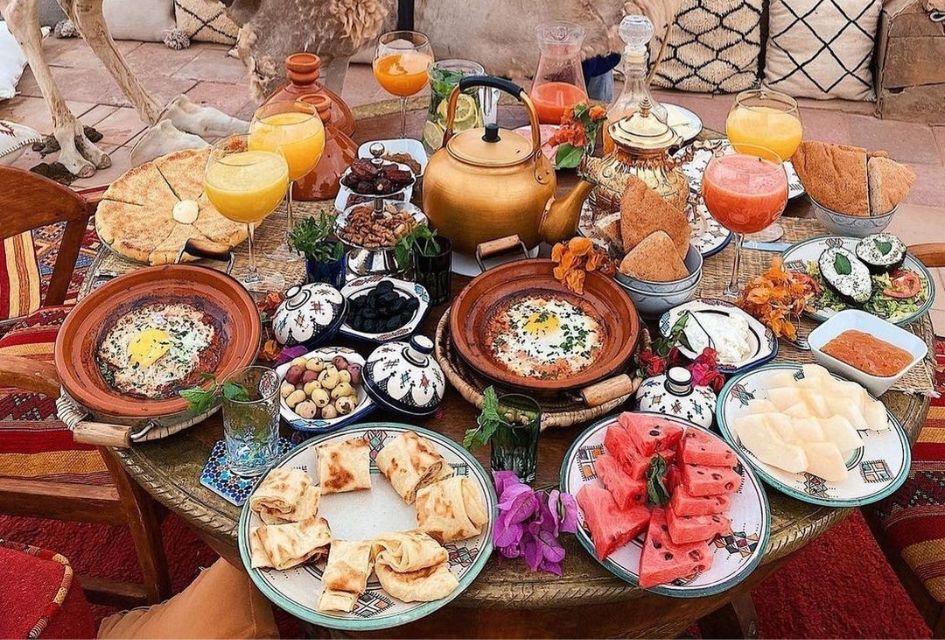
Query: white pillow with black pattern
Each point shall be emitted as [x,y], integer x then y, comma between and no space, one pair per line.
[822,49]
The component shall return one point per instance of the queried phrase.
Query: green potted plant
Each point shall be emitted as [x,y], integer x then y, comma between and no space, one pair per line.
[324,254]
[432,257]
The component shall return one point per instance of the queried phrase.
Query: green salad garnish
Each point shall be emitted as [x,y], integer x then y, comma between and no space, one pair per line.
[879,304]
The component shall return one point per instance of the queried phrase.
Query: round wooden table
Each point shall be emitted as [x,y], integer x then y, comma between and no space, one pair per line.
[506,600]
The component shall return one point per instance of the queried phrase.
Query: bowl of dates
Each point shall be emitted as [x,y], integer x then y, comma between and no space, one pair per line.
[377,178]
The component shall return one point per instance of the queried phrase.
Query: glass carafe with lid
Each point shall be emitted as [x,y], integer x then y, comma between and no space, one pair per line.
[636,31]
[559,80]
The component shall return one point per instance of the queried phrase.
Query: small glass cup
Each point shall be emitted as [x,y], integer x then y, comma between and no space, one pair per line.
[433,272]
[251,427]
[515,448]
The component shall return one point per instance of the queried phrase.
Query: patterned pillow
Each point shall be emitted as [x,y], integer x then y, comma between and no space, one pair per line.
[205,21]
[714,47]
[19,277]
[822,48]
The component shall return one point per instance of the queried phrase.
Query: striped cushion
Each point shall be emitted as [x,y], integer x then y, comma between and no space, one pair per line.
[34,444]
[914,516]
[19,277]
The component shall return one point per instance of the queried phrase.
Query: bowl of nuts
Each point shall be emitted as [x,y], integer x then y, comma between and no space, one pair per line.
[322,390]
[371,233]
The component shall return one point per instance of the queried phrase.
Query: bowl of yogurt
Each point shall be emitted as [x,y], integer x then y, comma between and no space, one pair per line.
[740,341]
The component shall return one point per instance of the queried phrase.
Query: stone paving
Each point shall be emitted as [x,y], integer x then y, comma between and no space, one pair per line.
[209,76]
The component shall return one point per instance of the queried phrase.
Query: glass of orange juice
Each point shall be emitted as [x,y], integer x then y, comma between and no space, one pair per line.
[294,130]
[401,63]
[765,119]
[246,185]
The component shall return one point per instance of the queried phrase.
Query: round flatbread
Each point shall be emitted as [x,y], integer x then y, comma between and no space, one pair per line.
[136,215]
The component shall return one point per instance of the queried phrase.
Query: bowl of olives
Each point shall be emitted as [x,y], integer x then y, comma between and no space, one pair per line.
[322,390]
[382,308]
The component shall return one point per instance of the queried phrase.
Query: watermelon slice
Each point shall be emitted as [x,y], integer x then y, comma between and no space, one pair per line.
[686,529]
[618,443]
[700,447]
[701,480]
[663,560]
[685,504]
[650,433]
[625,490]
[610,526]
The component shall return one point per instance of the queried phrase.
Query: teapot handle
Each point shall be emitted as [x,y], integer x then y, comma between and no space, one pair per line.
[501,84]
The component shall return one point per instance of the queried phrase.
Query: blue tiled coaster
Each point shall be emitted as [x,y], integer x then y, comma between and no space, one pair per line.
[219,479]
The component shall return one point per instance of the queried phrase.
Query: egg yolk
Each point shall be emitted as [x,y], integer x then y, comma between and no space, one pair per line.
[542,323]
[148,347]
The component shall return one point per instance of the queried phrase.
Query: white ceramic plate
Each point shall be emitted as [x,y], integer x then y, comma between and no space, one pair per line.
[363,515]
[684,122]
[400,145]
[798,255]
[876,469]
[735,556]
[360,286]
[764,345]
[365,404]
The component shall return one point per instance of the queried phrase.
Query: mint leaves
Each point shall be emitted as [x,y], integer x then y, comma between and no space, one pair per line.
[200,400]
[841,265]
[487,423]
[656,492]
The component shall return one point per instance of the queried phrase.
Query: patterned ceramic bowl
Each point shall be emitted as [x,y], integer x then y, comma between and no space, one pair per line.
[653,304]
[310,314]
[852,226]
[693,266]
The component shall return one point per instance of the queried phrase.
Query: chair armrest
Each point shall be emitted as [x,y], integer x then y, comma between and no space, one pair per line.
[931,254]
[93,196]
[29,375]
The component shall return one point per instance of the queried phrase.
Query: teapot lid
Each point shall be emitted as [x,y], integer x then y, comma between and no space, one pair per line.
[490,146]
[644,130]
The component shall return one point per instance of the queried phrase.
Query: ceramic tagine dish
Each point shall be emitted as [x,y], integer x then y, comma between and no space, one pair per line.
[675,395]
[309,315]
[405,378]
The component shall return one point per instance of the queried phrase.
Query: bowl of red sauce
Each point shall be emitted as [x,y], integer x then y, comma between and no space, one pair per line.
[866,349]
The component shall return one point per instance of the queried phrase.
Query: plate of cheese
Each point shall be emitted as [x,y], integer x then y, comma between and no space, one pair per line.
[813,435]
[368,528]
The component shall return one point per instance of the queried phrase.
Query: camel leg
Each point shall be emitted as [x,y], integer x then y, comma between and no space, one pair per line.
[205,122]
[77,154]
[89,20]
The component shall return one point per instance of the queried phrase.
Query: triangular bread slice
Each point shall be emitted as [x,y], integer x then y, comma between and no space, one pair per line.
[132,230]
[654,259]
[184,171]
[834,176]
[215,227]
[889,184]
[643,211]
[142,185]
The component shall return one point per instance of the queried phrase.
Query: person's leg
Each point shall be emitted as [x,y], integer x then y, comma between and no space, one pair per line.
[601,87]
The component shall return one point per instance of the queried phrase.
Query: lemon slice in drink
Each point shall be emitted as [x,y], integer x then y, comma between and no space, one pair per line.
[432,135]
[467,112]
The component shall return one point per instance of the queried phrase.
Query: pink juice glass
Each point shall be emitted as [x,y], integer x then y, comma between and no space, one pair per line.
[745,193]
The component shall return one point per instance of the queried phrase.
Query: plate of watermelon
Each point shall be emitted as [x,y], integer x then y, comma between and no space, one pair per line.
[666,505]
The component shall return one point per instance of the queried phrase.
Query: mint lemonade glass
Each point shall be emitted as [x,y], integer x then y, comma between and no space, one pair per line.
[251,419]
[745,192]
[293,129]
[246,186]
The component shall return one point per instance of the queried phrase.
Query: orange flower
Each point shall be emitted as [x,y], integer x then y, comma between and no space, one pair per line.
[575,281]
[580,245]
[557,251]
[270,351]
[597,112]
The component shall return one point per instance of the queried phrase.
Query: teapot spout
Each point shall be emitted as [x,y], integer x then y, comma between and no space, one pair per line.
[559,220]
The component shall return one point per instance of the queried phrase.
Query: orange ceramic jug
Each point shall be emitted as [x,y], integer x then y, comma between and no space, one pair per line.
[324,181]
[302,70]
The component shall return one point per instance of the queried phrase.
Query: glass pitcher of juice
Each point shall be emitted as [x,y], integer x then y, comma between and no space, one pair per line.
[559,80]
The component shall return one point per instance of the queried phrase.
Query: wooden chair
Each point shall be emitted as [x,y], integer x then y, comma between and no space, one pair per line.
[43,472]
[914,502]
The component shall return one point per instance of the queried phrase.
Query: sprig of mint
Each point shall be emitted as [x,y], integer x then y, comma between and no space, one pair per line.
[421,239]
[884,246]
[842,264]
[656,492]
[487,423]
[200,400]
[312,236]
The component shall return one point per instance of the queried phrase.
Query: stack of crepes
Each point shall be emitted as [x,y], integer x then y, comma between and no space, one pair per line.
[650,235]
[852,180]
[411,565]
[292,533]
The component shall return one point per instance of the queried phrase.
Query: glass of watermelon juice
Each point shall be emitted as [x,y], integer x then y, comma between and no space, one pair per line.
[515,446]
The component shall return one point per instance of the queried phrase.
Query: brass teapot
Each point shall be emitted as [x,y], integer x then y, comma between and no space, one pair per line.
[487,183]
[642,145]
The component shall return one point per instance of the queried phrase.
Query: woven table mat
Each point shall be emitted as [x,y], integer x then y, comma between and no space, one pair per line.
[268,237]
[562,409]
[718,269]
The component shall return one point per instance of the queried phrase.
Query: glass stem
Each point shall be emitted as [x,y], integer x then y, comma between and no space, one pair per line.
[289,218]
[251,232]
[732,291]
[403,116]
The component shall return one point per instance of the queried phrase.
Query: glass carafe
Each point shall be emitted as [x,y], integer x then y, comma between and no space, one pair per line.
[636,31]
[559,80]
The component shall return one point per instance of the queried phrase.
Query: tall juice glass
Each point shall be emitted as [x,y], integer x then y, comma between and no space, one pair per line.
[294,130]
[765,119]
[246,186]
[745,193]
[401,63]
